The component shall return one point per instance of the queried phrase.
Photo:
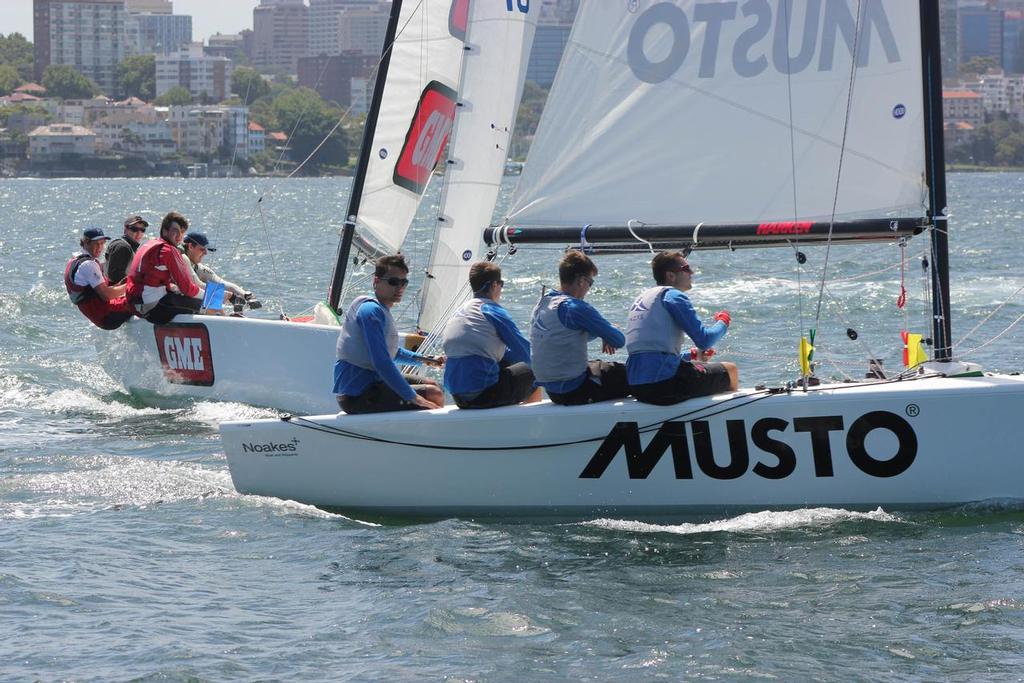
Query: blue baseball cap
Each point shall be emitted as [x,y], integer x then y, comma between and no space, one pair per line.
[93,235]
[200,239]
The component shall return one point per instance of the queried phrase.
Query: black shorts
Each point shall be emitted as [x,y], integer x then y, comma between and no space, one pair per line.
[605,381]
[378,398]
[691,379]
[170,305]
[514,385]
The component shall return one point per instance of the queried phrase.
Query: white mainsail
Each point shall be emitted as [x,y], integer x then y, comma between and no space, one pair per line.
[680,112]
[499,39]
[416,115]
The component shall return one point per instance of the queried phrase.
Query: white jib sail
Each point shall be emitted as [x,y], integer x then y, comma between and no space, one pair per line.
[416,115]
[681,112]
[500,36]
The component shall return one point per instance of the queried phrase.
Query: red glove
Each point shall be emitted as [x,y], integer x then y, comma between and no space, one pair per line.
[695,353]
[724,317]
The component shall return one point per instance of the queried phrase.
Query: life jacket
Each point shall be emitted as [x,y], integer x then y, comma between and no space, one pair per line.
[107,315]
[558,353]
[78,293]
[650,326]
[351,346]
[470,333]
[149,277]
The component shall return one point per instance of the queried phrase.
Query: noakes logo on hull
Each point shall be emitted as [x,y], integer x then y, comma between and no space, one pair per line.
[271,449]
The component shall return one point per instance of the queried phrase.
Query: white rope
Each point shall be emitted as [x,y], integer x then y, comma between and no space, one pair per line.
[629,226]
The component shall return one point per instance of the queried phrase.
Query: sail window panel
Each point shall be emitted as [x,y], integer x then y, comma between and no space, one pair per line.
[699,115]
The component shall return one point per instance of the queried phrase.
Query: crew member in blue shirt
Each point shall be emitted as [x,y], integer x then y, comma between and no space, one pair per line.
[366,377]
[561,326]
[488,358]
[654,337]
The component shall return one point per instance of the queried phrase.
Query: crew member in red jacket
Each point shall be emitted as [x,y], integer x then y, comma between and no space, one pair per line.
[160,285]
[99,301]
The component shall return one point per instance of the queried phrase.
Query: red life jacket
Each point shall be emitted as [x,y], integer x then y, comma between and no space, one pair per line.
[77,293]
[107,315]
[145,270]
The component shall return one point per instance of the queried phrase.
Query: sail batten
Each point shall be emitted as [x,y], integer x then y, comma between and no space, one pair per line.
[675,111]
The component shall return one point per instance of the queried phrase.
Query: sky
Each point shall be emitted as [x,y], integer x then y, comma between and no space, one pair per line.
[208,16]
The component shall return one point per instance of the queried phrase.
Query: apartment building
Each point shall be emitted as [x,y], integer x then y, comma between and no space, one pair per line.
[280,35]
[85,34]
[47,143]
[202,75]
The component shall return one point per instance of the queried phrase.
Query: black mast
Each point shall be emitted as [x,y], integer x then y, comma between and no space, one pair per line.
[348,231]
[935,168]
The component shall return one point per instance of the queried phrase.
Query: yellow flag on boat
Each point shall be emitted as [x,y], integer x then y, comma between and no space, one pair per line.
[805,356]
[913,349]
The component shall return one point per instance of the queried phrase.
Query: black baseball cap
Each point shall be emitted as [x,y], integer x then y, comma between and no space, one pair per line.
[200,239]
[93,235]
[135,220]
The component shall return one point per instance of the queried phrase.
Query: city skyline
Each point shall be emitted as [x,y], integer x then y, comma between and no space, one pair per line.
[208,18]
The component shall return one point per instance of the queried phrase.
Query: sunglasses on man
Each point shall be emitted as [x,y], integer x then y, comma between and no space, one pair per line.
[396,281]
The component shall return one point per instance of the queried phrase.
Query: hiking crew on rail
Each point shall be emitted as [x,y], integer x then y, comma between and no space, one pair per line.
[654,338]
[102,303]
[488,357]
[560,328]
[160,283]
[366,377]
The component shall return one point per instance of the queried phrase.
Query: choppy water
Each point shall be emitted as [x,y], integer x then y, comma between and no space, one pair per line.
[125,553]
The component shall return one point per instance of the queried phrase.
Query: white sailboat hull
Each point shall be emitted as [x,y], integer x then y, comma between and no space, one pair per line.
[271,363]
[922,443]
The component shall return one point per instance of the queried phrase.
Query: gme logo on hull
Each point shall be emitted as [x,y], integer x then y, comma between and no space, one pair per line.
[185,353]
[779,459]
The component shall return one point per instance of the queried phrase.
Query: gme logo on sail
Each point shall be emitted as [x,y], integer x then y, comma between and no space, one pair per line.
[780,458]
[185,353]
[428,134]
[756,35]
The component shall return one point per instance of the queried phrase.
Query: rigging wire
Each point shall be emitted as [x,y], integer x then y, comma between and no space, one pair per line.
[842,150]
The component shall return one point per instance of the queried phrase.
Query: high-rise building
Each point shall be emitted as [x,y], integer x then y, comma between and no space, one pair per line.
[203,76]
[149,6]
[948,30]
[363,30]
[980,33]
[156,34]
[1013,42]
[324,23]
[548,45]
[280,31]
[225,45]
[332,75]
[85,34]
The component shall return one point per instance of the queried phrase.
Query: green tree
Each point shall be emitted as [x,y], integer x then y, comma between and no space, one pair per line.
[9,79]
[175,96]
[530,108]
[136,77]
[17,52]
[1010,150]
[309,121]
[248,84]
[63,81]
[978,66]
